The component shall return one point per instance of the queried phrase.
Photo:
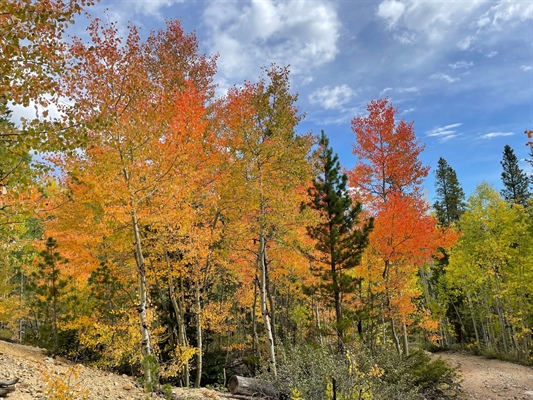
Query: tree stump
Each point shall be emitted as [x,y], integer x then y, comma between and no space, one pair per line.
[241,385]
[7,387]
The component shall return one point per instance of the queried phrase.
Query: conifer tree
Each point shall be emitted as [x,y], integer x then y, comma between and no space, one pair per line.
[49,285]
[515,180]
[340,241]
[451,198]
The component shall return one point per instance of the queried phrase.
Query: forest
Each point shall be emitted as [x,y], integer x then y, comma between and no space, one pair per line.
[154,228]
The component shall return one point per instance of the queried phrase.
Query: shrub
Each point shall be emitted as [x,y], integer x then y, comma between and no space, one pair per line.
[316,372]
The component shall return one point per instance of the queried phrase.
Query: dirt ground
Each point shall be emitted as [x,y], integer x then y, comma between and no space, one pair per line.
[482,379]
[38,373]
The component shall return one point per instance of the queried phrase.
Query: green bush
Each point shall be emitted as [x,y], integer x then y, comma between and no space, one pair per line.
[314,372]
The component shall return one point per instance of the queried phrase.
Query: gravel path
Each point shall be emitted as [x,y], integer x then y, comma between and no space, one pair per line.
[485,379]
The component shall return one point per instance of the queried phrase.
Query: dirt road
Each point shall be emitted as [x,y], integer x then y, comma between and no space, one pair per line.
[485,379]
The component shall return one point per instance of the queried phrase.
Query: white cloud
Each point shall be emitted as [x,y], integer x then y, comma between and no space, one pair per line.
[496,134]
[411,89]
[332,97]
[443,130]
[526,68]
[447,138]
[405,37]
[148,8]
[407,111]
[445,133]
[465,43]
[435,20]
[492,54]
[391,10]
[444,77]
[461,64]
[506,11]
[384,91]
[254,33]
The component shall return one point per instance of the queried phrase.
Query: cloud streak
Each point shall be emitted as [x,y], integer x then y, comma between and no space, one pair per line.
[492,135]
[444,133]
[444,77]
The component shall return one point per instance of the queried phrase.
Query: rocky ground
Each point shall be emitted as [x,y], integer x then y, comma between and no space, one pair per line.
[39,374]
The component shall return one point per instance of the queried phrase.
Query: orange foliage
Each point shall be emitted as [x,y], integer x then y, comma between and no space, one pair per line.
[388,177]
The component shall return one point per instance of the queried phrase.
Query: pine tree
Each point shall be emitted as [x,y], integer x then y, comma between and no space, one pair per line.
[340,241]
[451,198]
[49,286]
[515,180]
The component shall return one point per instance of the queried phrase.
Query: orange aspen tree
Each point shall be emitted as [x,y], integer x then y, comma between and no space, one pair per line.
[388,177]
[269,178]
[143,122]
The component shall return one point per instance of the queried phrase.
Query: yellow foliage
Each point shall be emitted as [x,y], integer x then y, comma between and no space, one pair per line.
[296,394]
[181,357]
[64,386]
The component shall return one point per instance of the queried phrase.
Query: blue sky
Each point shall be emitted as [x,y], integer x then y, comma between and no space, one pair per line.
[462,70]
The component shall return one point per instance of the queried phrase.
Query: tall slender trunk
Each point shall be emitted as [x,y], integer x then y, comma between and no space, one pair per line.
[318,327]
[146,345]
[254,322]
[199,337]
[473,319]
[272,308]
[179,312]
[405,341]
[395,336]
[338,308]
[263,299]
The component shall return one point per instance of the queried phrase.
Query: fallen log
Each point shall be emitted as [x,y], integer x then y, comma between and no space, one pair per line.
[7,387]
[241,385]
[4,391]
[9,382]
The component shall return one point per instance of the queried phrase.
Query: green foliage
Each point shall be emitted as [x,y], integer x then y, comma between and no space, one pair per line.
[50,296]
[150,366]
[340,241]
[451,198]
[489,269]
[315,372]
[515,180]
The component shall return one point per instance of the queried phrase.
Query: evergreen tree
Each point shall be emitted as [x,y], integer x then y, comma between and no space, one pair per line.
[340,240]
[451,198]
[49,286]
[515,180]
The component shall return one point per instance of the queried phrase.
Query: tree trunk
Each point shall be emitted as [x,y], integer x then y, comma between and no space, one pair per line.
[395,337]
[473,320]
[338,309]
[405,341]
[254,322]
[263,299]
[146,345]
[318,327]
[199,338]
[241,385]
[180,322]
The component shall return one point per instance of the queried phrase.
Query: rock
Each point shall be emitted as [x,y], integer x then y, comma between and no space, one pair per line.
[127,387]
[449,393]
